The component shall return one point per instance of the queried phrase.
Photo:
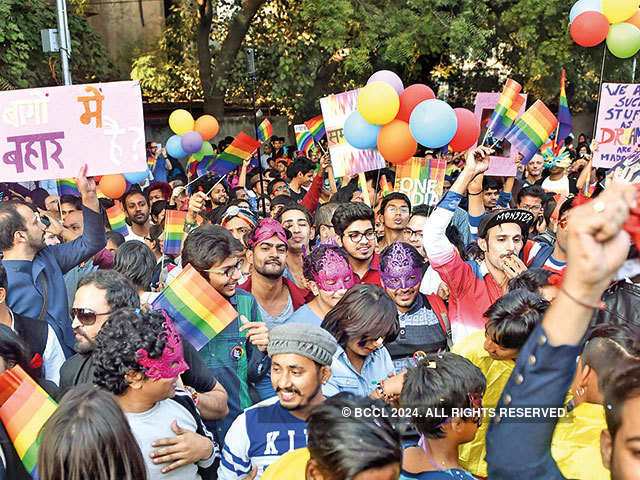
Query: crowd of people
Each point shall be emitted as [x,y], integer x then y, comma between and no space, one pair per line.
[375,339]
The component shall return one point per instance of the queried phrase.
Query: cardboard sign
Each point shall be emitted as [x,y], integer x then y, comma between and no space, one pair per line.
[500,165]
[421,180]
[49,133]
[345,159]
[618,130]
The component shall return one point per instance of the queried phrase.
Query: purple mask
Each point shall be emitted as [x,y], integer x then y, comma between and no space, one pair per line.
[171,363]
[400,272]
[335,273]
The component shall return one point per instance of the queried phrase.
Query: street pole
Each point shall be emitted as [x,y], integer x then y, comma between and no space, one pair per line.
[633,74]
[251,73]
[64,39]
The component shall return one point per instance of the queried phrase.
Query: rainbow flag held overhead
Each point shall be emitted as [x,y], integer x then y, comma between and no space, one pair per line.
[205,165]
[198,311]
[265,130]
[509,94]
[564,114]
[532,130]
[24,409]
[506,122]
[421,180]
[237,152]
[316,127]
[192,164]
[67,186]
[173,231]
[304,140]
[385,187]
[117,220]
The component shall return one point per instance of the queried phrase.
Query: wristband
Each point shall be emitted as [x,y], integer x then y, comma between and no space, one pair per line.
[479,193]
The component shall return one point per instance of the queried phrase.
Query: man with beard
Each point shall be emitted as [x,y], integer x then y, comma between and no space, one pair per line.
[394,210]
[219,195]
[423,321]
[138,212]
[277,297]
[35,271]
[301,354]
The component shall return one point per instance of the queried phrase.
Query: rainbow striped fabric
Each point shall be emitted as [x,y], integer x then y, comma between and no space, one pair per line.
[173,232]
[316,127]
[421,180]
[304,141]
[198,311]
[532,130]
[238,151]
[117,220]
[506,122]
[564,114]
[24,408]
[385,187]
[265,130]
[67,186]
[509,94]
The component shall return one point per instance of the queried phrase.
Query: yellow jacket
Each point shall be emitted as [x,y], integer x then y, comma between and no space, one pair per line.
[290,466]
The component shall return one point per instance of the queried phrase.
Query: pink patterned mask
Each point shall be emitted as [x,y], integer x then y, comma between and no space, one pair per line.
[335,273]
[400,272]
[172,363]
[267,228]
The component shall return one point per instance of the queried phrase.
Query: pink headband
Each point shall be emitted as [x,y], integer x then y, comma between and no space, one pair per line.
[171,363]
[267,228]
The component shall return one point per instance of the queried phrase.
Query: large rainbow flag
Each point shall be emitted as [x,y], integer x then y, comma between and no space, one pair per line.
[509,94]
[564,114]
[117,220]
[198,311]
[173,232]
[421,180]
[532,130]
[265,130]
[24,409]
[67,186]
[316,127]
[238,151]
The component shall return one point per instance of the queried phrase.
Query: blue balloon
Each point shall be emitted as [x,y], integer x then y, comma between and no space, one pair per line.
[174,147]
[582,6]
[433,123]
[359,133]
[136,177]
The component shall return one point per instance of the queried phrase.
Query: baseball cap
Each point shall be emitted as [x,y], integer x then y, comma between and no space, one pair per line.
[523,218]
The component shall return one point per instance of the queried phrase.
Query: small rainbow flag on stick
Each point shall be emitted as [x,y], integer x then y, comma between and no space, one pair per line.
[238,151]
[316,127]
[117,220]
[67,186]
[532,130]
[509,94]
[564,114]
[385,186]
[265,130]
[198,311]
[506,122]
[24,408]
[173,231]
[304,140]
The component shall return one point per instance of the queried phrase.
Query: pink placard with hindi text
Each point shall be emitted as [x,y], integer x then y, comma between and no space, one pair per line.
[500,165]
[50,132]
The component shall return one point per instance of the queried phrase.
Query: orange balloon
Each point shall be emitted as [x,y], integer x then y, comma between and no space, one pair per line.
[395,142]
[113,186]
[635,19]
[207,126]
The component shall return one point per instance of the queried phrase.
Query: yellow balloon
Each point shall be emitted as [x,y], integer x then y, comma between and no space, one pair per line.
[181,121]
[619,10]
[378,103]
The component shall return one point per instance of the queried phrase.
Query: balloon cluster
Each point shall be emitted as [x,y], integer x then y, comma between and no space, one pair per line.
[395,119]
[191,136]
[617,21]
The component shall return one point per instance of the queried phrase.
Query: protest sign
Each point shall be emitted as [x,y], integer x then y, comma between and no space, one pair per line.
[421,180]
[345,159]
[618,129]
[503,164]
[49,133]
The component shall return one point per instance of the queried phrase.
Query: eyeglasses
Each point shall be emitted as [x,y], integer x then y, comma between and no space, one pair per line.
[356,237]
[393,209]
[412,233]
[85,316]
[229,271]
[532,208]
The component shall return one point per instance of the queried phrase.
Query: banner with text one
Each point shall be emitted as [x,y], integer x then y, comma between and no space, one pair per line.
[421,180]
[49,133]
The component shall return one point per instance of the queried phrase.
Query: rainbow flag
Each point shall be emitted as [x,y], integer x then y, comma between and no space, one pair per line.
[192,164]
[24,409]
[385,187]
[506,122]
[67,186]
[421,180]
[150,163]
[564,114]
[205,165]
[238,151]
[265,130]
[198,311]
[304,140]
[509,94]
[316,127]
[532,130]
[117,220]
[173,232]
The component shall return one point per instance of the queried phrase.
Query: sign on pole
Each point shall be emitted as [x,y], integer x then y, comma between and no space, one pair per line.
[421,180]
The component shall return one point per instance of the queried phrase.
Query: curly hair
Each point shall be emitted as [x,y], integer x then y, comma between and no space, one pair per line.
[120,338]
[314,264]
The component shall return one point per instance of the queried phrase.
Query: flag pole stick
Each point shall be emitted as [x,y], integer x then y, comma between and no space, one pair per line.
[214,185]
[164,239]
[595,121]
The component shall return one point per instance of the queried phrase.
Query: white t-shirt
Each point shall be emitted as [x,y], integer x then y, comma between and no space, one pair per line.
[557,186]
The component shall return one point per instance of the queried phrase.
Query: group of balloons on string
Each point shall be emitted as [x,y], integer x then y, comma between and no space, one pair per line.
[617,21]
[396,119]
[191,138]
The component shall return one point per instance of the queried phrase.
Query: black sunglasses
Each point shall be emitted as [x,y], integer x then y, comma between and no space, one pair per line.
[85,316]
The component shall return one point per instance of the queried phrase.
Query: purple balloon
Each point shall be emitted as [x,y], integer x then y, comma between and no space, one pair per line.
[387,76]
[191,142]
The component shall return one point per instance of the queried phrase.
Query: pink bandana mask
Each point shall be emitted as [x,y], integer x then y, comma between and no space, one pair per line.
[335,273]
[172,363]
[400,272]
[267,228]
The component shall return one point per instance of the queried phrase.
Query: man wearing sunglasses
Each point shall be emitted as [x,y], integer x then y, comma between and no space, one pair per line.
[35,271]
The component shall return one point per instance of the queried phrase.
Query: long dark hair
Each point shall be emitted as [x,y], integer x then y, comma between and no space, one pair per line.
[14,351]
[88,437]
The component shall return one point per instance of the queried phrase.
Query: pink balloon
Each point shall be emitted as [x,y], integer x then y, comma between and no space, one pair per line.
[468,130]
[412,96]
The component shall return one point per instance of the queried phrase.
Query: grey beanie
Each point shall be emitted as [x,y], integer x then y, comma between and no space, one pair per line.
[303,339]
